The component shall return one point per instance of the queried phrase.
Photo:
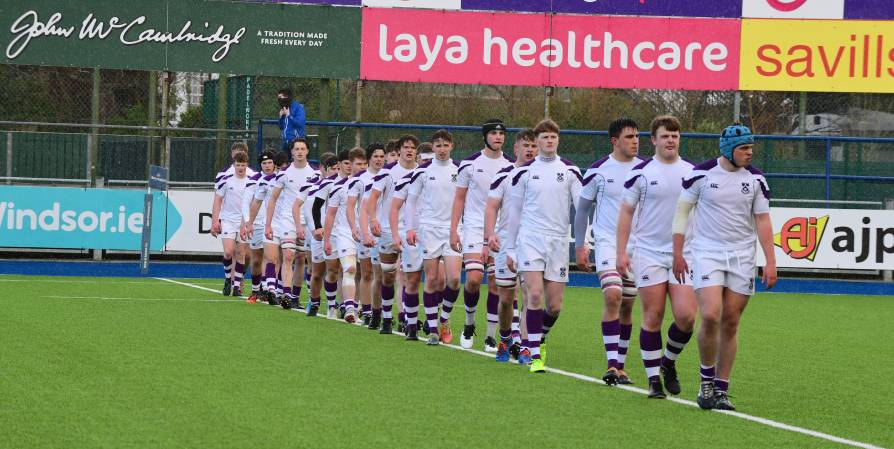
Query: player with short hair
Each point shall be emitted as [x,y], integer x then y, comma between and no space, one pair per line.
[426,196]
[236,148]
[370,270]
[303,207]
[525,149]
[652,189]
[733,204]
[603,188]
[253,231]
[271,247]
[475,175]
[378,208]
[544,190]
[226,218]
[319,211]
[281,227]
[338,232]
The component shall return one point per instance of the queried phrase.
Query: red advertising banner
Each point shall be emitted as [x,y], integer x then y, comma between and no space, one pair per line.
[555,50]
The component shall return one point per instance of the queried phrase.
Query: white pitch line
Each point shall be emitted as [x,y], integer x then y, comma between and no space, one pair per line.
[141,299]
[188,285]
[585,378]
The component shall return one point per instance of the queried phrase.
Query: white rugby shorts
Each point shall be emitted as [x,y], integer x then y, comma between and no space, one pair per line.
[546,253]
[733,269]
[657,267]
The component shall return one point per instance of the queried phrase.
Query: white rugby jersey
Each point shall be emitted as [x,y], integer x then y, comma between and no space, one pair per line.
[604,183]
[360,190]
[231,189]
[251,187]
[499,189]
[290,181]
[338,199]
[652,188]
[726,203]
[476,173]
[262,192]
[389,176]
[311,192]
[545,189]
[432,185]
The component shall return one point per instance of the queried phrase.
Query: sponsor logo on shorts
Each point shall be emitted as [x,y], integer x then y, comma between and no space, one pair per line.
[562,272]
[535,177]
[604,262]
[432,178]
[705,277]
[480,170]
[645,277]
[751,284]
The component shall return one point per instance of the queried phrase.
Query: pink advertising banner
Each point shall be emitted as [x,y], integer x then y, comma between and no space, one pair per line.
[550,50]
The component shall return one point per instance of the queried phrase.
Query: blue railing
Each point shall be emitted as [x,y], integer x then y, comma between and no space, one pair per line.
[828,142]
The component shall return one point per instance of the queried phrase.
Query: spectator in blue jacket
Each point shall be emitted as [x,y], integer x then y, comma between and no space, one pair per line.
[291,118]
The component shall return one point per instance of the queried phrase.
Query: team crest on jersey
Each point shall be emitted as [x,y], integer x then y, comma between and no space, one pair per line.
[453,177]
[746,188]
[480,170]
[560,177]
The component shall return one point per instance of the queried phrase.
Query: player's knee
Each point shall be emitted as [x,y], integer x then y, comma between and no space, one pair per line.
[474,268]
[389,268]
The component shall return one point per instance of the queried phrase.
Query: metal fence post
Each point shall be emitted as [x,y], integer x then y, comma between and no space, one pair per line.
[888,275]
[8,157]
[358,116]
[828,169]
[259,146]
[89,154]
[94,119]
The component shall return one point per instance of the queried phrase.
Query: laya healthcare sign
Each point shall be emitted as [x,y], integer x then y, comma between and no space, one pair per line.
[832,238]
[58,217]
[549,50]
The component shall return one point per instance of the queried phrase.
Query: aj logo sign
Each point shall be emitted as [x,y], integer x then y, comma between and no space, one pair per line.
[800,236]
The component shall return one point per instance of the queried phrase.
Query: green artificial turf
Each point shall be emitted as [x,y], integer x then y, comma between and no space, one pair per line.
[140,363]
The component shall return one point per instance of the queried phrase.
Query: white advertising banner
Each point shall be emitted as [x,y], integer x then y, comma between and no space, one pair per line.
[832,238]
[194,232]
[793,9]
[430,4]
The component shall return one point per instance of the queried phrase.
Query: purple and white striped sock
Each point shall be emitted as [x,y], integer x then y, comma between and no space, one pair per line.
[516,329]
[331,289]
[611,331]
[505,335]
[448,298]
[470,300]
[650,348]
[676,341]
[350,305]
[534,319]
[387,301]
[255,282]
[237,275]
[411,308]
[623,344]
[270,274]
[296,291]
[493,308]
[402,314]
[707,373]
[430,302]
[315,301]
[287,292]
[366,309]
[228,268]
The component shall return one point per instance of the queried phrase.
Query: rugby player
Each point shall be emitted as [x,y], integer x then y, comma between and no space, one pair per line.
[602,192]
[226,218]
[370,281]
[378,209]
[525,149]
[426,197]
[271,247]
[281,227]
[253,231]
[476,173]
[337,232]
[733,205]
[651,192]
[544,191]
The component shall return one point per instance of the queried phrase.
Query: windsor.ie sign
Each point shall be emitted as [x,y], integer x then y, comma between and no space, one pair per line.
[198,36]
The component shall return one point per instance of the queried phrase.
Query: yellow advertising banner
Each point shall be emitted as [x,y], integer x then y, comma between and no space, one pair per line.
[817,55]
